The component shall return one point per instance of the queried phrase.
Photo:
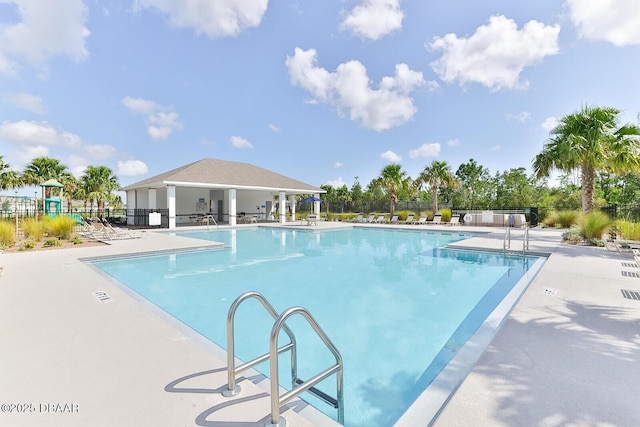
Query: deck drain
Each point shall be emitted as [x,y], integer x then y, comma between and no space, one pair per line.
[630,274]
[629,264]
[103,297]
[630,294]
[550,291]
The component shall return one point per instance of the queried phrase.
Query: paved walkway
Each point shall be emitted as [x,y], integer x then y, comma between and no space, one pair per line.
[68,359]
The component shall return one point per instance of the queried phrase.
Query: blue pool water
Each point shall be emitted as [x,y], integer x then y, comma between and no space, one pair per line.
[394,302]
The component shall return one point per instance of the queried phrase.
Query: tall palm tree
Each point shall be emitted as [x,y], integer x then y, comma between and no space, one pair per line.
[590,140]
[393,179]
[436,175]
[98,182]
[42,169]
[8,177]
[71,185]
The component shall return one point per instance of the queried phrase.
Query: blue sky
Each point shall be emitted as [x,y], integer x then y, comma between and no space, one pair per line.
[321,91]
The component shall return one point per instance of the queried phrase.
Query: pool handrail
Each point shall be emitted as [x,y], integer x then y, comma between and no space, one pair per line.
[337,368]
[233,370]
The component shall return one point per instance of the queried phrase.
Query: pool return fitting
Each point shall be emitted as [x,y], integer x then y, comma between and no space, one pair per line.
[297,385]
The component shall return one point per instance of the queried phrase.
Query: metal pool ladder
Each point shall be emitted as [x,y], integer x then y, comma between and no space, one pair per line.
[297,385]
[506,243]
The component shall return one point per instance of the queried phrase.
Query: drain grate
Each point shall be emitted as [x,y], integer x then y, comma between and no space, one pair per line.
[550,291]
[630,274]
[628,294]
[629,264]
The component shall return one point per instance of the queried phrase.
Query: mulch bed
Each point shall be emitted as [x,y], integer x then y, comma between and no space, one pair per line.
[19,247]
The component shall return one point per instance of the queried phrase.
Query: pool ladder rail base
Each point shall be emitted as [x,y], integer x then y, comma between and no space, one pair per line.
[298,385]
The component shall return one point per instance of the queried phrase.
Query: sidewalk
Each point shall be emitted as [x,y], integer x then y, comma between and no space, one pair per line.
[568,354]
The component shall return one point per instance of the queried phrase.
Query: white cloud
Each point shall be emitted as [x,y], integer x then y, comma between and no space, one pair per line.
[239,142]
[218,18]
[521,117]
[46,29]
[131,168]
[373,19]
[37,133]
[100,152]
[27,102]
[454,142]
[337,165]
[549,123]
[496,148]
[613,21]
[161,120]
[274,128]
[390,156]
[348,88]
[336,183]
[495,54]
[425,150]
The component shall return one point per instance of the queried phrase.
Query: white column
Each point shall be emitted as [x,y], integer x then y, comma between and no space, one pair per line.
[132,205]
[232,206]
[316,205]
[292,201]
[171,204]
[283,207]
[152,199]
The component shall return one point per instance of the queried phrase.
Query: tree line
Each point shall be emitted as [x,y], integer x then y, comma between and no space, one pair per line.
[596,158]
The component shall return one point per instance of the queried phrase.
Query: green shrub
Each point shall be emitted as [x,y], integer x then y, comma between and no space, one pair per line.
[594,225]
[551,220]
[573,235]
[7,233]
[33,229]
[628,230]
[27,245]
[51,242]
[568,218]
[402,215]
[445,215]
[77,240]
[59,226]
[427,214]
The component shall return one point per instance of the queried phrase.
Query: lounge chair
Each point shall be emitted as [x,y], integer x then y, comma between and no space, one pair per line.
[379,219]
[393,220]
[121,233]
[421,221]
[357,219]
[312,219]
[455,220]
[409,219]
[636,256]
[370,219]
[437,219]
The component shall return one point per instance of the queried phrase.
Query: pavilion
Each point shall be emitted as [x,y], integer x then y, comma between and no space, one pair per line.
[219,188]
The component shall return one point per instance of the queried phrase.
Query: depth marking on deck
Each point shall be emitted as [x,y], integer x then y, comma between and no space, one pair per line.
[103,297]
[550,291]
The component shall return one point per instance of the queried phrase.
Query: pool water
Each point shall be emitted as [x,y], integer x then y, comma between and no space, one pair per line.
[396,304]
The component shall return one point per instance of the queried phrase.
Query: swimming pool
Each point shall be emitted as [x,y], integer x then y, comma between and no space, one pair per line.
[396,303]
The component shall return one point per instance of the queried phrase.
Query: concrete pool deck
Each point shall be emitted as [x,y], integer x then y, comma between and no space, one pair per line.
[567,355]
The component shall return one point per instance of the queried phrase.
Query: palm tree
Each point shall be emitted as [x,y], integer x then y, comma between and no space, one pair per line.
[98,182]
[8,177]
[344,197]
[42,169]
[393,179]
[71,186]
[436,175]
[590,140]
